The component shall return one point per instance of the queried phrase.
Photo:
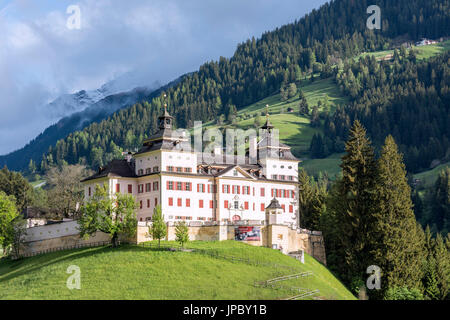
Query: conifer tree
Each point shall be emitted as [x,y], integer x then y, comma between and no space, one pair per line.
[284,95]
[440,204]
[305,194]
[303,106]
[292,90]
[352,205]
[442,258]
[397,247]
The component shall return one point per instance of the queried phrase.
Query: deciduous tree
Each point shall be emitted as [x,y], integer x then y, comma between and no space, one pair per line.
[182,233]
[114,215]
[158,228]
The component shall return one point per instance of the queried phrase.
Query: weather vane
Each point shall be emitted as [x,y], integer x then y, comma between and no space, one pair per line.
[267,111]
[165,103]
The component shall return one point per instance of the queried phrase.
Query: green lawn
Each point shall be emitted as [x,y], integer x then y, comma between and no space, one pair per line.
[134,272]
[424,52]
[428,178]
[294,129]
[314,91]
[330,165]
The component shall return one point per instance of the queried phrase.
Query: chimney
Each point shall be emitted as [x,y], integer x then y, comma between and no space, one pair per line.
[253,150]
[129,156]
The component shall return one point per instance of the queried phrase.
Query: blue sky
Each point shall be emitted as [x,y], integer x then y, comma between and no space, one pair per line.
[150,41]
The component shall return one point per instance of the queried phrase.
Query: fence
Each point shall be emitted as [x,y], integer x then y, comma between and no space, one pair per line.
[303,295]
[215,254]
[288,277]
[302,292]
[75,246]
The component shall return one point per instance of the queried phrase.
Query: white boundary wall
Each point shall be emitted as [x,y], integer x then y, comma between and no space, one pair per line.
[51,231]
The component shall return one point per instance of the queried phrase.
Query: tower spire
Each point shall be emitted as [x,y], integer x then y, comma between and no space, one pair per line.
[267,126]
[165,120]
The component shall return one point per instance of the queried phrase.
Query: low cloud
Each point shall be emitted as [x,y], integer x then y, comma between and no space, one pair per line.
[154,41]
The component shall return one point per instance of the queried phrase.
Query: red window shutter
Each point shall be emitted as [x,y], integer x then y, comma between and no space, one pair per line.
[198,187]
[170,201]
[179,202]
[246,205]
[200,203]
[225,204]
[167,186]
[262,192]
[262,207]
[140,204]
[183,186]
[238,189]
[291,209]
[118,187]
[223,188]
[253,206]
[130,188]
[209,188]
[282,206]
[211,204]
[272,192]
[188,202]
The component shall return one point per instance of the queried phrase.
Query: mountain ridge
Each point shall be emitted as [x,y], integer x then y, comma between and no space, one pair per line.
[334,32]
[92,113]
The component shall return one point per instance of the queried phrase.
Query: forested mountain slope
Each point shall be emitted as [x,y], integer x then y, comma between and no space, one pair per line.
[407,99]
[321,39]
[94,113]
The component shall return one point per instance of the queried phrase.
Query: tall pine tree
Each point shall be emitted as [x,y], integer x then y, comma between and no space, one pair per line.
[351,206]
[398,246]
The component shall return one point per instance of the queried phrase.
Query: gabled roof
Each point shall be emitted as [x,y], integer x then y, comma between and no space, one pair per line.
[116,168]
[238,168]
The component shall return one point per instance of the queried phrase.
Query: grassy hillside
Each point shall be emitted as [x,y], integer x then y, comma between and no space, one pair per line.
[294,129]
[134,272]
[330,165]
[428,178]
[423,52]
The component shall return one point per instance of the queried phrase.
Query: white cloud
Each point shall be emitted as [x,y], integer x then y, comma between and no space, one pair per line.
[158,40]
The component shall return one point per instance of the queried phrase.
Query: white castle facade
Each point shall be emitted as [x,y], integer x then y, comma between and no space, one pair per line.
[189,186]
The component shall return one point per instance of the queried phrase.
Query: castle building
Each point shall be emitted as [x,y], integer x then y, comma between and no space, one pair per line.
[189,186]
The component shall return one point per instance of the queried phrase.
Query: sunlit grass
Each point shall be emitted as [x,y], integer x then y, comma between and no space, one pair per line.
[134,272]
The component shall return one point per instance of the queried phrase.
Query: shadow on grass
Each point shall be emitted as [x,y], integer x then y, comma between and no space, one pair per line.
[11,269]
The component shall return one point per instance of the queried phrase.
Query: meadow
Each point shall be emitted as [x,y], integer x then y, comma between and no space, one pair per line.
[137,272]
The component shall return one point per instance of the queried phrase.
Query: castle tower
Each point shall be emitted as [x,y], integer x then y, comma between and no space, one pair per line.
[165,121]
[273,212]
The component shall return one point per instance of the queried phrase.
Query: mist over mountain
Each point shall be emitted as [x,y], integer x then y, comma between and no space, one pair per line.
[67,104]
[83,108]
